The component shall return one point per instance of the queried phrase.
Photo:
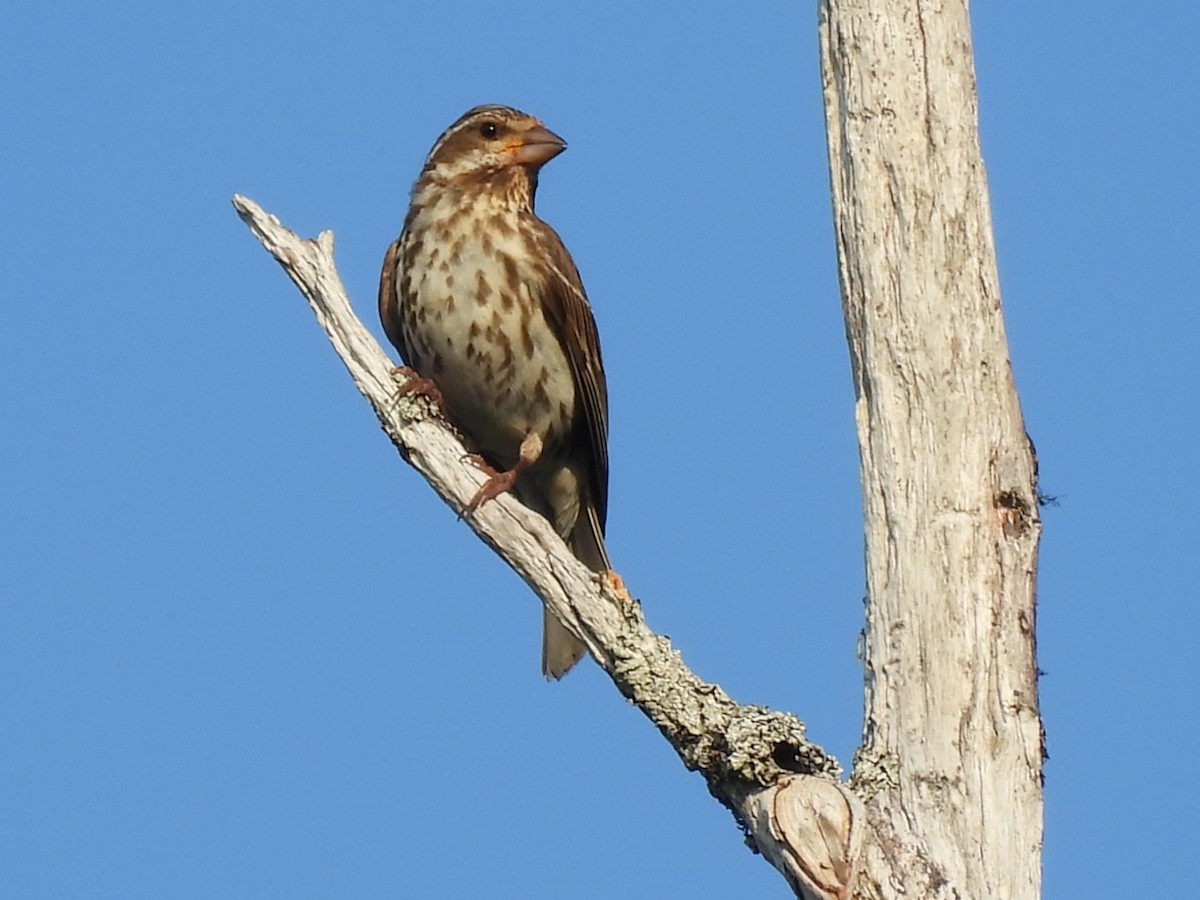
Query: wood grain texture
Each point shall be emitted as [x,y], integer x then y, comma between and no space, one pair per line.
[952,750]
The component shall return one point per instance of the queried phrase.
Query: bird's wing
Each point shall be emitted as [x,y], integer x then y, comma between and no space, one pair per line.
[389,302]
[570,315]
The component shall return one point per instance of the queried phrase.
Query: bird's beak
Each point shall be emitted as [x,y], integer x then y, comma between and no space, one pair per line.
[536,145]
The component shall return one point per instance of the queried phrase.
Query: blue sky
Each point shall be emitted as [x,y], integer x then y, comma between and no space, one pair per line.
[244,650]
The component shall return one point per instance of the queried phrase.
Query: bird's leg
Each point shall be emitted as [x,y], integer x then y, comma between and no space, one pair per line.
[500,482]
[415,383]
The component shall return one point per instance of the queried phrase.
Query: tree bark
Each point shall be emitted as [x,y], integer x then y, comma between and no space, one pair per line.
[950,765]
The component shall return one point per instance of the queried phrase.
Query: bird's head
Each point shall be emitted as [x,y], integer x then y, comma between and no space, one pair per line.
[489,140]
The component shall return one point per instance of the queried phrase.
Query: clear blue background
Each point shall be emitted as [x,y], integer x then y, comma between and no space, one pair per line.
[244,650]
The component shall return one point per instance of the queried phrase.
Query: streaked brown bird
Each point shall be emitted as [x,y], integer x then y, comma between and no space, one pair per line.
[482,299]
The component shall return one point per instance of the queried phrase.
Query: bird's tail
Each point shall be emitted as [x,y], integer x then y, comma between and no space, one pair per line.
[561,649]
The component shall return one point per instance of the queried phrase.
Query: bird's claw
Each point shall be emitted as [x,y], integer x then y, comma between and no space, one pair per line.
[485,491]
[497,482]
[412,382]
[500,483]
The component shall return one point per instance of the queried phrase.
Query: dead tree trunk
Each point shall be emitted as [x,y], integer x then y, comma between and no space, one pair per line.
[950,765]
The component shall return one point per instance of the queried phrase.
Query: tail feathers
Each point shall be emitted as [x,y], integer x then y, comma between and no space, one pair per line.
[587,540]
[561,649]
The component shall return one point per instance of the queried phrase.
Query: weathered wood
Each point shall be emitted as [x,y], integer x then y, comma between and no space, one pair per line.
[951,760]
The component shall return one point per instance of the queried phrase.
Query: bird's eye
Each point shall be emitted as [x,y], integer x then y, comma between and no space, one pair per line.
[489,129]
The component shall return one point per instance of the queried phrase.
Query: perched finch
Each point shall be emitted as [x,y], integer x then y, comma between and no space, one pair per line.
[482,299]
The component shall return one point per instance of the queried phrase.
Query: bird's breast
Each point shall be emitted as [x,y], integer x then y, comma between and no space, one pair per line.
[474,322]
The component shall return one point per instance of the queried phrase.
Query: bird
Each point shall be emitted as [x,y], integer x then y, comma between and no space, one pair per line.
[488,312]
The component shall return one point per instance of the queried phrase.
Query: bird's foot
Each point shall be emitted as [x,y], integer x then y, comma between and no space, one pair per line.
[497,482]
[412,382]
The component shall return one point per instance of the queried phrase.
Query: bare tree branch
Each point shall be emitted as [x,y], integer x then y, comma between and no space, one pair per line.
[781,788]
